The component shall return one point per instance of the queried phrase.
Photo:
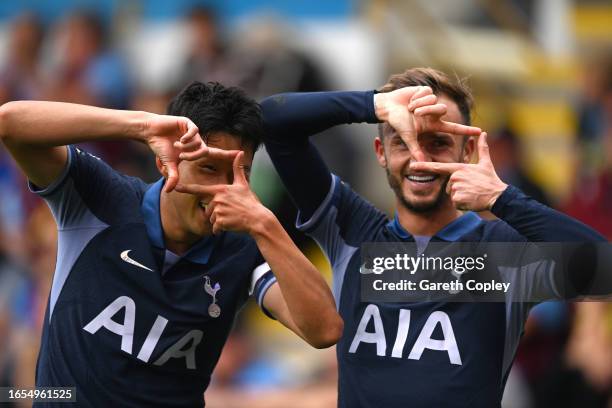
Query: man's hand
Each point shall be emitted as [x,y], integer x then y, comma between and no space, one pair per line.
[232,207]
[473,187]
[163,134]
[160,133]
[414,110]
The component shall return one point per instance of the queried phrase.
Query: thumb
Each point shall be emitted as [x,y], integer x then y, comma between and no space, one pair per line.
[239,176]
[173,176]
[483,149]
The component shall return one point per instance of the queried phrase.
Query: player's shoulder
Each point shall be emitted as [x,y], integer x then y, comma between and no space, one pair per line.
[344,217]
[113,197]
[97,173]
[358,207]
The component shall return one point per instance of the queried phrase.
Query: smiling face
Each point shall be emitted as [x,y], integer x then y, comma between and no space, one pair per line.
[183,215]
[418,191]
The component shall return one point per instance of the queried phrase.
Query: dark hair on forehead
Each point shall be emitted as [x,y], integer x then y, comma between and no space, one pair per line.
[439,82]
[216,108]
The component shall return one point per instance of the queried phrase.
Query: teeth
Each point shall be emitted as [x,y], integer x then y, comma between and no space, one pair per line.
[421,179]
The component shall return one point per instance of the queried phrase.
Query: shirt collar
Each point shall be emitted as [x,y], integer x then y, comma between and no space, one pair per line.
[199,253]
[451,232]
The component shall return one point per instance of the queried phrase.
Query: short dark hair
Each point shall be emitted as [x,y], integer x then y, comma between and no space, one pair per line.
[440,83]
[216,108]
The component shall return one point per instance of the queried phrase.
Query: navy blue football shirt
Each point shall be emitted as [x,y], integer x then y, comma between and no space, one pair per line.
[129,323]
[420,354]
[426,353]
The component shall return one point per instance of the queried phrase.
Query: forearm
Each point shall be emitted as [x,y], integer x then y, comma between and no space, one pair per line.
[290,120]
[539,223]
[582,266]
[308,298]
[40,123]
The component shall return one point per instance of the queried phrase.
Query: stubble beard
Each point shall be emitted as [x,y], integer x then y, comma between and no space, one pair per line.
[423,207]
[426,207]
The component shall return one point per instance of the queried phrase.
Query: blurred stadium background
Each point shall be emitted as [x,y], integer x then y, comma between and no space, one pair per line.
[541,71]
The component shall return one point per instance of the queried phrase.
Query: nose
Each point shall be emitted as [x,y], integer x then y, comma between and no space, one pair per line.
[421,156]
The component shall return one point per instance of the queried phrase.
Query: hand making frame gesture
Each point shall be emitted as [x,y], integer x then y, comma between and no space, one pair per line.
[473,187]
[414,110]
[163,134]
[230,207]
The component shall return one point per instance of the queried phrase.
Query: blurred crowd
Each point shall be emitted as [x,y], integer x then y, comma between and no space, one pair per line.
[565,359]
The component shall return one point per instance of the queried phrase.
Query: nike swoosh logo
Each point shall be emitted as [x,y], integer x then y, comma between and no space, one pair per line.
[366,271]
[125,256]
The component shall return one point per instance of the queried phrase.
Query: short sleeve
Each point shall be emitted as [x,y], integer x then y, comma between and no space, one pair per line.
[86,198]
[89,193]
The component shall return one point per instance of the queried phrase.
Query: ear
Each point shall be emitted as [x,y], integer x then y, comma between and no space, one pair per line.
[379,149]
[161,168]
[468,149]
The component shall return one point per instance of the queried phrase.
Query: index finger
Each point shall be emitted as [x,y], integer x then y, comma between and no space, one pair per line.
[200,190]
[205,151]
[222,154]
[192,130]
[459,129]
[436,167]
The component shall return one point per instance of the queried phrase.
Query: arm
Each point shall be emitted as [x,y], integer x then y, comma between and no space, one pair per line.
[290,120]
[301,300]
[539,223]
[35,132]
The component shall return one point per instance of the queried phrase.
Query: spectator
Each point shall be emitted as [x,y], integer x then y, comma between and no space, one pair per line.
[20,76]
[506,154]
[209,58]
[90,72]
[591,199]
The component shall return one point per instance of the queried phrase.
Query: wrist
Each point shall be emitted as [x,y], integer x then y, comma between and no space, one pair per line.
[498,191]
[263,221]
[380,106]
[140,125]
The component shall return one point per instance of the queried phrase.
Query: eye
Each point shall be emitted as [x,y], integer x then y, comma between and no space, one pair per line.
[208,168]
[399,143]
[439,143]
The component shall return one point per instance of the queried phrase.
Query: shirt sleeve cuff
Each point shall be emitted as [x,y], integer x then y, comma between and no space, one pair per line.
[510,193]
[371,112]
[256,275]
[261,287]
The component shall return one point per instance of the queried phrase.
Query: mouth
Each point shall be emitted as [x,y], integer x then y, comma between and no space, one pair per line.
[422,178]
[421,183]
